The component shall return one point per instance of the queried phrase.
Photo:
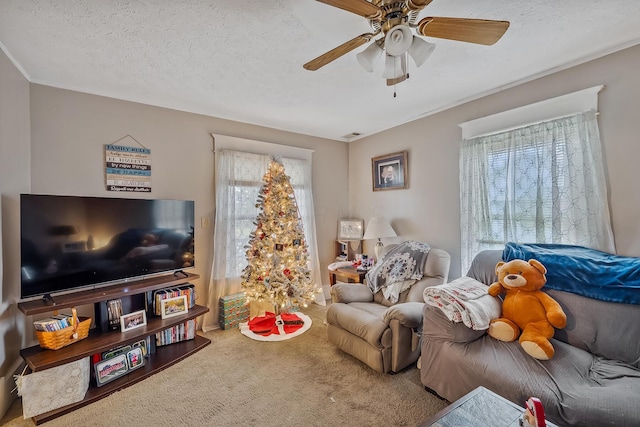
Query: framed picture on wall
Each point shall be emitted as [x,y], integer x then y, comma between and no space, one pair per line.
[390,171]
[350,229]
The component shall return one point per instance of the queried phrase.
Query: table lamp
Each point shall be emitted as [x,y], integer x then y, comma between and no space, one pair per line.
[377,228]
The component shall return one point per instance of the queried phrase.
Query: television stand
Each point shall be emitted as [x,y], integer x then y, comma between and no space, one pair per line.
[39,359]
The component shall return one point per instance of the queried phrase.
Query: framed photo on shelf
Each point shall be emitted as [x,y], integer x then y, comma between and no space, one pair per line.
[110,369]
[133,320]
[350,229]
[114,310]
[135,358]
[142,345]
[114,352]
[176,306]
[389,172]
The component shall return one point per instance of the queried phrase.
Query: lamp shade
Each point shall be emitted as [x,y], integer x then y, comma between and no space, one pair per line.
[368,57]
[421,50]
[377,228]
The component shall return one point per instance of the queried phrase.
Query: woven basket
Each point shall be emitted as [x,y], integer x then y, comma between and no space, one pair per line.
[55,340]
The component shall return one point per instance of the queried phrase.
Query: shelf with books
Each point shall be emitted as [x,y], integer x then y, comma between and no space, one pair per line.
[99,341]
[39,359]
[106,293]
[162,359]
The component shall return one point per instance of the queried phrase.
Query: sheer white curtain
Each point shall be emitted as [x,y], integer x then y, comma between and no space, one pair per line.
[300,172]
[542,183]
[238,179]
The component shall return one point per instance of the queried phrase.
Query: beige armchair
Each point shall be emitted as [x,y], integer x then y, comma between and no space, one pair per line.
[377,332]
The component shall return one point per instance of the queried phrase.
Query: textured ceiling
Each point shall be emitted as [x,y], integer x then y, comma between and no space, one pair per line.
[242,59]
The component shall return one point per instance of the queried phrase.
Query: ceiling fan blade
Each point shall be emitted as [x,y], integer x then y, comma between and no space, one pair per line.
[479,31]
[359,7]
[337,52]
[418,4]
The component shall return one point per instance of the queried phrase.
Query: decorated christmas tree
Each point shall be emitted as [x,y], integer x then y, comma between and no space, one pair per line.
[277,253]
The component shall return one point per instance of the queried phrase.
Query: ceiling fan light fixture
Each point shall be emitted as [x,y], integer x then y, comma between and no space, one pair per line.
[421,50]
[393,67]
[398,40]
[369,57]
[397,21]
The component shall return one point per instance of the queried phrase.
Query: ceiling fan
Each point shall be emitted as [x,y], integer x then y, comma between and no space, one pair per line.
[394,20]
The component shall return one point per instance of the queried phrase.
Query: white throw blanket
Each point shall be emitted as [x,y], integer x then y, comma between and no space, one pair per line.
[465,300]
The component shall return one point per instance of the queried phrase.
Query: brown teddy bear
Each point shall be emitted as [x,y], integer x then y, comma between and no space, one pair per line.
[525,308]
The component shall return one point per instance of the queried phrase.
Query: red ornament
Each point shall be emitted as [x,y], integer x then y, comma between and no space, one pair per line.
[286,272]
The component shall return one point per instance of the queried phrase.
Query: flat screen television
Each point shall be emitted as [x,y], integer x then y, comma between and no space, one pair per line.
[74,242]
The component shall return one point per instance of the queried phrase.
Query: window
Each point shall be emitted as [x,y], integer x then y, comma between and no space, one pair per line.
[540,183]
[243,196]
[521,184]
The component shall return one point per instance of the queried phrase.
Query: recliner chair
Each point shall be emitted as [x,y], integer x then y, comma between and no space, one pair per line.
[379,333]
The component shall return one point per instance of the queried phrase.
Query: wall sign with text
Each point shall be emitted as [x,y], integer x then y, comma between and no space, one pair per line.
[127,168]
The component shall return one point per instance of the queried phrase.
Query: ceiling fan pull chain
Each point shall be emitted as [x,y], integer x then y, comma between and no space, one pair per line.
[406,65]
[395,73]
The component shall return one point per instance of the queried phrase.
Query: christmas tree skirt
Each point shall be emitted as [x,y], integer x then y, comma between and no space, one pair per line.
[272,327]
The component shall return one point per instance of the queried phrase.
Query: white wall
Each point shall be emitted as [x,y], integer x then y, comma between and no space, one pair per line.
[14,179]
[429,209]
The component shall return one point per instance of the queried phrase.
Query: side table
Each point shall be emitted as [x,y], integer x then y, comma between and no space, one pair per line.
[479,407]
[350,273]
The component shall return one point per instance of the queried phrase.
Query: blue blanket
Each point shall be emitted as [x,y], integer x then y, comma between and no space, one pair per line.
[583,271]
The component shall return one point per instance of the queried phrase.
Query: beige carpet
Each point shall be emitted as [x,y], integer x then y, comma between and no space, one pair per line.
[237,381]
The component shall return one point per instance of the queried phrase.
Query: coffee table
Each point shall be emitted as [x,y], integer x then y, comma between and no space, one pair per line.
[479,407]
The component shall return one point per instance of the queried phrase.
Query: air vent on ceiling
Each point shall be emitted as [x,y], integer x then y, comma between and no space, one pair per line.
[352,135]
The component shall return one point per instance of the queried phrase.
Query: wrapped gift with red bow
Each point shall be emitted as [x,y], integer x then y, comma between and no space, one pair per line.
[270,323]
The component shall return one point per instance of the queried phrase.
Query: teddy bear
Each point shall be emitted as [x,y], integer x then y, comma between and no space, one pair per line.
[527,312]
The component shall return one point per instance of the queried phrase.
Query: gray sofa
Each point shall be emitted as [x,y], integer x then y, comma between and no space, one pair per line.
[592,380]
